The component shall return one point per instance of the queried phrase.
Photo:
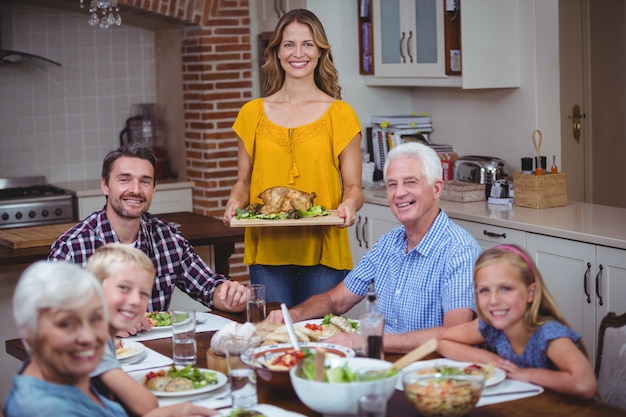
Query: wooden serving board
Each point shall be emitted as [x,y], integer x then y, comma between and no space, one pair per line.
[34,236]
[331,220]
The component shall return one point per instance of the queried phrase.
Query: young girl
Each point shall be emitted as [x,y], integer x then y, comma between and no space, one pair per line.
[521,326]
[127,276]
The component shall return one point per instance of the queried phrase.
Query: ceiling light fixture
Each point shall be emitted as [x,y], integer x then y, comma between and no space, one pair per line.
[104,13]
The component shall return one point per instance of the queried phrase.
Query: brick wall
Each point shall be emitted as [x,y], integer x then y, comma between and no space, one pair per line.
[217,80]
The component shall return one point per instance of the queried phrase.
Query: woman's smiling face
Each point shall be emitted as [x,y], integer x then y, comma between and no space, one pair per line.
[298,53]
[69,342]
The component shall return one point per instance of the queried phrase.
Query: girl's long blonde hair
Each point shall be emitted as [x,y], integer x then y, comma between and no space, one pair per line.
[543,307]
[326,75]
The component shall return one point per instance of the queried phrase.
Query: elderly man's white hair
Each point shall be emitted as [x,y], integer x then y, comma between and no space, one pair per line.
[430,160]
[51,285]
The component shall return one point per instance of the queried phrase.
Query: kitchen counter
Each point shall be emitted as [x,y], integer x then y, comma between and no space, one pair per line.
[91,188]
[590,223]
[200,230]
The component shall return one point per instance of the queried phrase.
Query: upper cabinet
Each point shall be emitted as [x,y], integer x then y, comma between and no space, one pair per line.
[409,39]
[270,11]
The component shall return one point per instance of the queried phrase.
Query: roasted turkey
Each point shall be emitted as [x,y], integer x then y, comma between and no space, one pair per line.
[285,199]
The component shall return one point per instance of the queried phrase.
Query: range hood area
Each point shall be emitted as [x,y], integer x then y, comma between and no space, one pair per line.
[13,57]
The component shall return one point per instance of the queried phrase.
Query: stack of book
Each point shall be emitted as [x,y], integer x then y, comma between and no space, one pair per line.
[390,131]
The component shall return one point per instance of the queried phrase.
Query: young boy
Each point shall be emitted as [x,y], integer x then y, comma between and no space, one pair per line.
[127,276]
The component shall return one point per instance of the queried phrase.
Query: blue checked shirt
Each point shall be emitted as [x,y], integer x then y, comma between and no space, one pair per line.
[416,289]
[173,257]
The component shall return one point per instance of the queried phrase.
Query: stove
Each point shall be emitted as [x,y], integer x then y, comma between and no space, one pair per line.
[31,201]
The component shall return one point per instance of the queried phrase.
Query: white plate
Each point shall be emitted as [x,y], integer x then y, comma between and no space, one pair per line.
[131,348]
[498,375]
[221,381]
[251,357]
[266,410]
[318,322]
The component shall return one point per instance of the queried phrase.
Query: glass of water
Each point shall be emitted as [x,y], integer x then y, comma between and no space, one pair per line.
[242,378]
[255,307]
[184,336]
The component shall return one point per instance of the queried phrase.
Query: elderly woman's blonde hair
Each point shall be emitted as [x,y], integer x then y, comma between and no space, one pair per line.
[51,285]
[106,259]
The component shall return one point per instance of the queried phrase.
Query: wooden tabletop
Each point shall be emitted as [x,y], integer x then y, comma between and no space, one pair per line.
[198,229]
[547,404]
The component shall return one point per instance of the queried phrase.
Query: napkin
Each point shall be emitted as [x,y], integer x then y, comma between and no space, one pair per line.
[151,359]
[213,322]
[508,386]
[268,410]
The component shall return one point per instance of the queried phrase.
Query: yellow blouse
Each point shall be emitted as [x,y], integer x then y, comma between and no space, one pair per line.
[305,158]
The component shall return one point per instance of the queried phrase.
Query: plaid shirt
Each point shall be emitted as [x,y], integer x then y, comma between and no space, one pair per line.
[173,257]
[416,289]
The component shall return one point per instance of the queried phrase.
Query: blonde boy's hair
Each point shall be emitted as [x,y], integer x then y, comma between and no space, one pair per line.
[106,259]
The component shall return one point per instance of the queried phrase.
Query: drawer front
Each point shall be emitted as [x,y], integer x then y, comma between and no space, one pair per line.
[488,235]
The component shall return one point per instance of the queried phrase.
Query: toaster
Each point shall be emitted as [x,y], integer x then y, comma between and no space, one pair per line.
[479,169]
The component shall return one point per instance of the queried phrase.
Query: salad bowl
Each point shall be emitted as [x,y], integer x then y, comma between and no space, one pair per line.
[346,380]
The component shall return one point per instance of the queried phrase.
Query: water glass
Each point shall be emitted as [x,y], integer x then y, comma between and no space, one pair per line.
[255,307]
[373,405]
[242,378]
[184,336]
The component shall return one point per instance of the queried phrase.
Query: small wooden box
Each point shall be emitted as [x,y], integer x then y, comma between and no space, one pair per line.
[463,192]
[540,191]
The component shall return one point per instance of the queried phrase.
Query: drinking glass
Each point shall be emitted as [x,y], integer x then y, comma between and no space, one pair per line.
[255,307]
[373,405]
[242,378]
[184,336]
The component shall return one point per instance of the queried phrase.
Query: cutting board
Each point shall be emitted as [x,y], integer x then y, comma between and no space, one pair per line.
[34,236]
[331,220]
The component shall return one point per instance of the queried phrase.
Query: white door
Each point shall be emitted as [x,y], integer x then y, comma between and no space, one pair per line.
[593,72]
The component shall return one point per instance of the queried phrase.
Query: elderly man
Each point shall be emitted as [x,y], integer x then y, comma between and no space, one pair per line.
[422,270]
[129,182]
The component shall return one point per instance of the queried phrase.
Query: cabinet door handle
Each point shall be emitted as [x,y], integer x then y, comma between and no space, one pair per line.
[408,46]
[598,275]
[276,9]
[587,272]
[367,245]
[281,5]
[402,53]
[492,234]
[356,232]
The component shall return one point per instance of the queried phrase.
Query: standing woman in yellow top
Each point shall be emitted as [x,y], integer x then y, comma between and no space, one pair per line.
[300,135]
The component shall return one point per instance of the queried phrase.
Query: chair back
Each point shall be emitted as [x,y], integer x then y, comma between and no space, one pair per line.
[611,360]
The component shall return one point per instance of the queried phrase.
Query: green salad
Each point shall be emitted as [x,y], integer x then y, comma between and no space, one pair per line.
[199,378]
[160,318]
[315,211]
[341,374]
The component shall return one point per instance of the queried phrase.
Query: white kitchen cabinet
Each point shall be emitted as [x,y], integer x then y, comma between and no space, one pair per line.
[488,235]
[409,45]
[408,38]
[270,11]
[168,198]
[586,280]
[373,221]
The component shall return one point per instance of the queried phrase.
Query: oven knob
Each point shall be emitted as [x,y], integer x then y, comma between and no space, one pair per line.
[58,212]
[45,213]
[5,216]
[32,214]
[18,215]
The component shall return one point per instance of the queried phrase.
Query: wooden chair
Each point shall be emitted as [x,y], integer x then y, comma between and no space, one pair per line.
[611,360]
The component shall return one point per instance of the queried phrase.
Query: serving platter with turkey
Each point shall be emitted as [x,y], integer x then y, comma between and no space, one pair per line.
[285,206]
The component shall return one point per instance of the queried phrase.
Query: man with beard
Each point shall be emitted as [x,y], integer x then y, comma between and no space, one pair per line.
[128,183]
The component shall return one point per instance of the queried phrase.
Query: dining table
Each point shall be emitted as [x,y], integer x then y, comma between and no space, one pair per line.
[546,404]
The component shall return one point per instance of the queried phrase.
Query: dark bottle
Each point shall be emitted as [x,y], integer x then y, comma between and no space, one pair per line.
[372,326]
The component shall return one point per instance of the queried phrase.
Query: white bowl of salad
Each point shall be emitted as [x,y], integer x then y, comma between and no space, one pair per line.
[345,381]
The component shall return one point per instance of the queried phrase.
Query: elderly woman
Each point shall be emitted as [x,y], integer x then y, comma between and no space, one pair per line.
[61,314]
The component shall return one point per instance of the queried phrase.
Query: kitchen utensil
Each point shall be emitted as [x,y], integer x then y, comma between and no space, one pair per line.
[289,324]
[553,168]
[537,137]
[416,354]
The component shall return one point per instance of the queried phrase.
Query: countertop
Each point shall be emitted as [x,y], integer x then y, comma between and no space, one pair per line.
[91,188]
[584,222]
